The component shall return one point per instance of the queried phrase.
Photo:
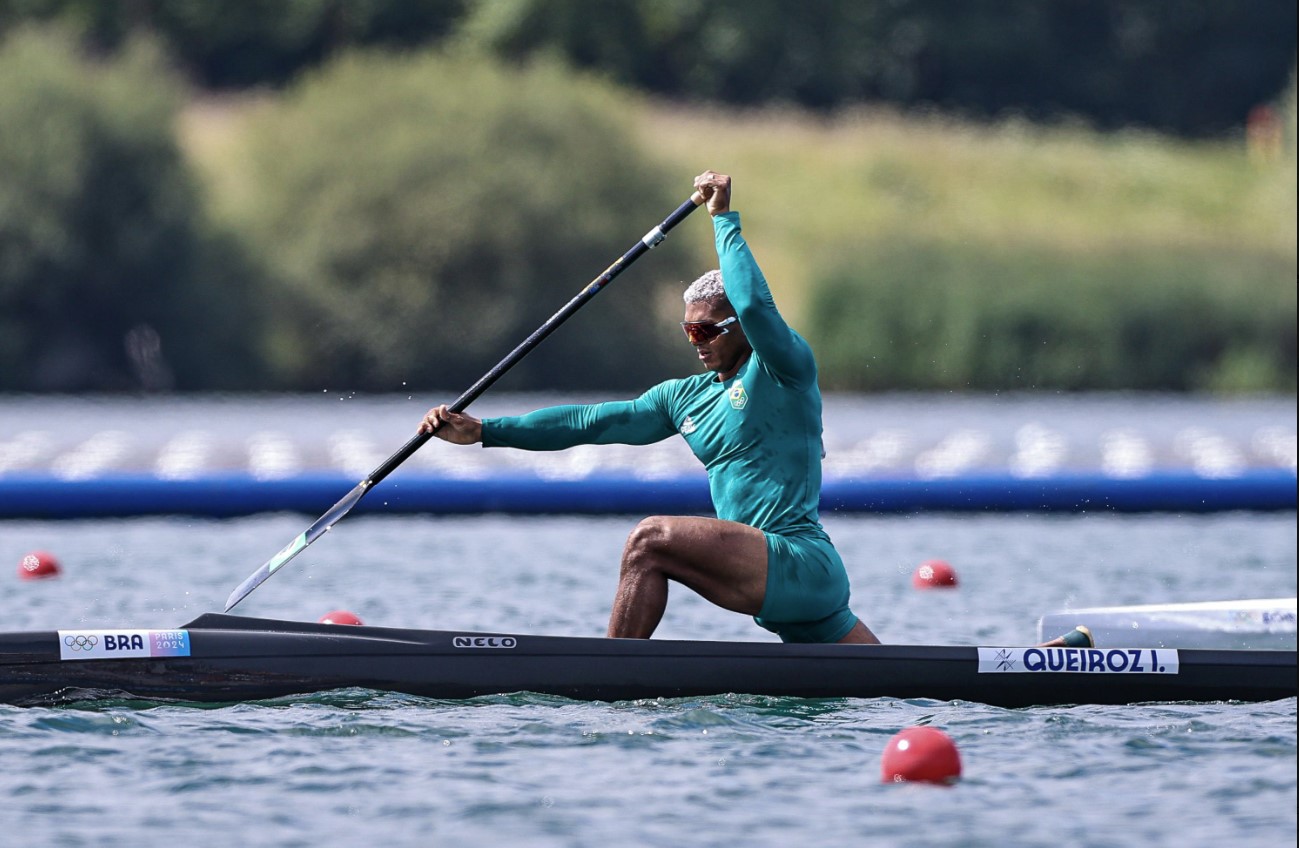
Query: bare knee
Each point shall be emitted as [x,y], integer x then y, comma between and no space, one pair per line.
[650,546]
[647,541]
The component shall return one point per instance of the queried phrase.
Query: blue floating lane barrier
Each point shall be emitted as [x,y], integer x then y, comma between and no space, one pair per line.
[227,494]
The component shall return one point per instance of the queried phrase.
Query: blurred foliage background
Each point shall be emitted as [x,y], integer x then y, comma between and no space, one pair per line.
[388,195]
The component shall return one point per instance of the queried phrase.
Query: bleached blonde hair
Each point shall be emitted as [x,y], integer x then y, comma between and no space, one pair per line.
[706,289]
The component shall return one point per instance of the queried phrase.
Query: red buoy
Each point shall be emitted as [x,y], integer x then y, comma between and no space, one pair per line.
[340,617]
[934,574]
[921,754]
[38,565]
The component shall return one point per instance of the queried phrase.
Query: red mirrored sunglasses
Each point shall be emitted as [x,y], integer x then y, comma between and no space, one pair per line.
[703,332]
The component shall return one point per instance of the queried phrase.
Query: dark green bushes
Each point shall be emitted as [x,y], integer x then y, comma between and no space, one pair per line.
[106,273]
[424,214]
[1191,67]
[956,317]
[405,220]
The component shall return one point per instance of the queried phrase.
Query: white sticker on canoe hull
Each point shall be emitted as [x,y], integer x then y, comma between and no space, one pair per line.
[1078,660]
[122,644]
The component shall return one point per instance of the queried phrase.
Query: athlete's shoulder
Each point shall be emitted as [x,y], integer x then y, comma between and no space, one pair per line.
[800,370]
[669,392]
[684,386]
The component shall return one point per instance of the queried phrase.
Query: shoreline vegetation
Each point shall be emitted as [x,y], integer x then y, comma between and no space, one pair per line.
[923,252]
[812,183]
[393,219]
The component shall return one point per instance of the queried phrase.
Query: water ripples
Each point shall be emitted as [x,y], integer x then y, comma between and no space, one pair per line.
[377,768]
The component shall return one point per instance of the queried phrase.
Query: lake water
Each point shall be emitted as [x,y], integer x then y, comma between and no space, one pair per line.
[368,768]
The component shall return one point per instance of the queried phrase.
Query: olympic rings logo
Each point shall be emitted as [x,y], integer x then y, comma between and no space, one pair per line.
[81,642]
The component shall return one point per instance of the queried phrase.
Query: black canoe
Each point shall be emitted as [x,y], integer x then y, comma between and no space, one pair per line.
[224,658]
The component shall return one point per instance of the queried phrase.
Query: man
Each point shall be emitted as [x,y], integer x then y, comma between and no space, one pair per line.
[753,418]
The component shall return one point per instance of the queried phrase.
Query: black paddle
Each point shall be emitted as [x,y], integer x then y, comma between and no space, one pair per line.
[344,506]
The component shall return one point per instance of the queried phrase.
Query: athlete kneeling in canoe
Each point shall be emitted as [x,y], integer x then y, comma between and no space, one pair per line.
[754,420]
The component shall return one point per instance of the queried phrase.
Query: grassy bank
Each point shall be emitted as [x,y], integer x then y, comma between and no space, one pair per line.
[921,252]
[926,253]
[807,186]
[810,188]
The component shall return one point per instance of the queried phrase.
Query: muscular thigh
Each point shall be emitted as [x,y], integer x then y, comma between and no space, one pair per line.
[724,561]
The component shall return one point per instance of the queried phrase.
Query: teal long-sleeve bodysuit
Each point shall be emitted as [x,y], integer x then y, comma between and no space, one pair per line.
[758,436]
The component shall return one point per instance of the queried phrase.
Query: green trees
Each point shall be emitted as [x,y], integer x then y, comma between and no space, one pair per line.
[246,43]
[405,221]
[101,247]
[388,220]
[1191,67]
[422,214]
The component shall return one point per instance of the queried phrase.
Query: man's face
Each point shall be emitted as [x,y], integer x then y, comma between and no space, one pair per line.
[725,352]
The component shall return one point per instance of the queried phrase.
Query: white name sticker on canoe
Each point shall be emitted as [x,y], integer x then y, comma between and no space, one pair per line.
[122,644]
[1078,660]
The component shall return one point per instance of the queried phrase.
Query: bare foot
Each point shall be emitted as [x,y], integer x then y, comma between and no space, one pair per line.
[1079,637]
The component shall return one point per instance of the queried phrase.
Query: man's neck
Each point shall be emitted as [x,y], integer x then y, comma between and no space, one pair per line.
[723,377]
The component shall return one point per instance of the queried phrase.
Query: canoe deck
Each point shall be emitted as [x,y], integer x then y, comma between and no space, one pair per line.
[1254,624]
[224,658]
